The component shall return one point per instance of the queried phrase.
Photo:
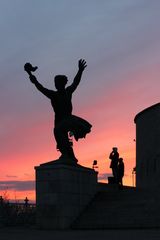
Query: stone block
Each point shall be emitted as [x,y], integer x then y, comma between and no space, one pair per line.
[62,192]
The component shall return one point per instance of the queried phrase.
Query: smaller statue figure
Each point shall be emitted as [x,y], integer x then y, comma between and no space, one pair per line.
[61,101]
[114,156]
[120,172]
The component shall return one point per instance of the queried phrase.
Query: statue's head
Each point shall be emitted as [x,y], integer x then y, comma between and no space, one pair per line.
[120,160]
[60,81]
[115,149]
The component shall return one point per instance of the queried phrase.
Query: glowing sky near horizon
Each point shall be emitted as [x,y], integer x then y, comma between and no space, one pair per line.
[120,40]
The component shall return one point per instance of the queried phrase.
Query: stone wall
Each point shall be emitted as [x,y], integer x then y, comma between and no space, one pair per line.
[148,147]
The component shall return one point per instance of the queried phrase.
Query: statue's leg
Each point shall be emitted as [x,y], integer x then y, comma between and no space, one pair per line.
[63,143]
[115,174]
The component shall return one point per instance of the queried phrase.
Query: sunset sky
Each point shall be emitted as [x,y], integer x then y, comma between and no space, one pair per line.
[120,40]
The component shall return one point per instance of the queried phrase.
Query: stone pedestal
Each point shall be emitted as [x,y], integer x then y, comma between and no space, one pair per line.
[62,192]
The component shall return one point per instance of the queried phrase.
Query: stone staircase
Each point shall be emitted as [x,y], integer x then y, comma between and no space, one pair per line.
[113,208]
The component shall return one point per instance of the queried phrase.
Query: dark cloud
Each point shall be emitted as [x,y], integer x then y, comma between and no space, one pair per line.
[11,176]
[17,185]
[104,176]
[28,175]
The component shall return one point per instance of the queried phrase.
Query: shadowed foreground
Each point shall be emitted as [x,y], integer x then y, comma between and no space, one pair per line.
[35,234]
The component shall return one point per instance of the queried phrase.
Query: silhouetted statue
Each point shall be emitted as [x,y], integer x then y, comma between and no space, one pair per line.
[114,156]
[61,101]
[120,172]
[1,201]
[26,200]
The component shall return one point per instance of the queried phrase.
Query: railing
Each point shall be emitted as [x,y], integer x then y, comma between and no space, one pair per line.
[17,214]
[23,205]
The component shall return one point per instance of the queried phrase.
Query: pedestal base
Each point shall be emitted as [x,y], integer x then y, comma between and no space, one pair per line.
[62,192]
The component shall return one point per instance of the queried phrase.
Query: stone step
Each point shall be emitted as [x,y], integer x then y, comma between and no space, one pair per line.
[117,222]
[113,208]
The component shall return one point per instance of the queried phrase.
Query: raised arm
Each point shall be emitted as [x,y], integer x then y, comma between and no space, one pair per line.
[81,65]
[29,69]
[48,93]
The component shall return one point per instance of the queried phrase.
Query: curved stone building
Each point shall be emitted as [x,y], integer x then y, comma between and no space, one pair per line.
[148,147]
